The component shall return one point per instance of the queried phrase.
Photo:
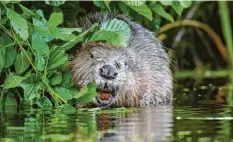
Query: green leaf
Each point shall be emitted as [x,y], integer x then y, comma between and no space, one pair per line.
[63,60]
[40,26]
[10,100]
[13,81]
[135,2]
[107,2]
[87,94]
[124,8]
[65,34]
[55,2]
[39,45]
[78,39]
[55,19]
[56,79]
[166,3]
[40,16]
[41,30]
[10,56]
[3,20]
[18,23]
[158,9]
[66,109]
[185,3]
[44,103]
[7,52]
[2,55]
[115,31]
[31,87]
[57,58]
[142,10]
[39,62]
[103,35]
[99,4]
[26,12]
[21,63]
[177,7]
[67,79]
[156,23]
[65,93]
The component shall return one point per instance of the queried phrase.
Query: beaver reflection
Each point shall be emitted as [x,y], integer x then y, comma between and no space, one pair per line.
[146,124]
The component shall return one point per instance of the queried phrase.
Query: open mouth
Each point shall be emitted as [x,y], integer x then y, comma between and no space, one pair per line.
[105,96]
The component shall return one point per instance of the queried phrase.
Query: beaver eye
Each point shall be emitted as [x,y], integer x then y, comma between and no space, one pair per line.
[118,65]
[126,63]
[92,56]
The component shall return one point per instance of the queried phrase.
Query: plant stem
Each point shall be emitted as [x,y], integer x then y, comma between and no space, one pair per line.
[29,59]
[202,26]
[204,74]
[227,30]
[52,92]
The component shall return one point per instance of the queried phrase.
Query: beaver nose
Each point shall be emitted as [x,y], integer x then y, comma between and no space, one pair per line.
[108,72]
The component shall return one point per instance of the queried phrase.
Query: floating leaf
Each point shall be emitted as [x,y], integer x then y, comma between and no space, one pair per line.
[18,23]
[13,81]
[158,9]
[142,10]
[22,63]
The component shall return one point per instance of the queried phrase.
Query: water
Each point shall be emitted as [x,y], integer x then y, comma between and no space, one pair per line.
[194,119]
[181,123]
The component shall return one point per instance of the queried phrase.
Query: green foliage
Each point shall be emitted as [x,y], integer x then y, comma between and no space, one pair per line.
[33,46]
[115,32]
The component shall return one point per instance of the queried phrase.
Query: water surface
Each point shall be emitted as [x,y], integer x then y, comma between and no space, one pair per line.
[193,118]
[181,123]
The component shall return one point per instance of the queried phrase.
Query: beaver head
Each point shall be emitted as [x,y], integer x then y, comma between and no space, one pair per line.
[109,67]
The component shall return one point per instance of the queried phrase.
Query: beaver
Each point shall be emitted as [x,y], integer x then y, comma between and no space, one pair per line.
[136,75]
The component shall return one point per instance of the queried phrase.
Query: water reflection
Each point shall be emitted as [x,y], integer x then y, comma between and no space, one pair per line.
[199,123]
[144,124]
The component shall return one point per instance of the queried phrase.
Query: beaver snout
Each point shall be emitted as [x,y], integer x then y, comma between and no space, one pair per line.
[108,72]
